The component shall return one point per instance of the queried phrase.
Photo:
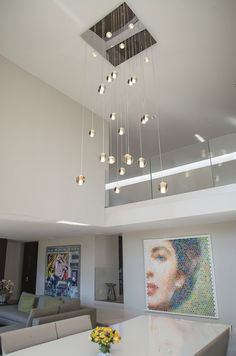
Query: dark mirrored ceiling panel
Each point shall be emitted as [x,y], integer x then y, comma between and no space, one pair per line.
[120,35]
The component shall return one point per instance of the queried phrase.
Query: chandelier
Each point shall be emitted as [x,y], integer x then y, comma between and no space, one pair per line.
[118,37]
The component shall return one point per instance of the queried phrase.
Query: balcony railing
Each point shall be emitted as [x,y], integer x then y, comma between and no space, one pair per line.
[191,168]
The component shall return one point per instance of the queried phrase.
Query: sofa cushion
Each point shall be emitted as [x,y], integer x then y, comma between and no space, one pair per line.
[36,298]
[11,312]
[36,313]
[26,303]
[46,301]
[51,302]
[67,307]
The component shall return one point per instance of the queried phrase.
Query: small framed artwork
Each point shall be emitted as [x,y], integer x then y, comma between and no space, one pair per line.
[179,276]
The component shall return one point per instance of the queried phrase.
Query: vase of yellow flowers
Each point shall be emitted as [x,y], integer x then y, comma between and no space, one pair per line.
[104,337]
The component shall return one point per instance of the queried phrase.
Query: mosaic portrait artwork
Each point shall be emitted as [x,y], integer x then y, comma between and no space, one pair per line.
[62,271]
[179,276]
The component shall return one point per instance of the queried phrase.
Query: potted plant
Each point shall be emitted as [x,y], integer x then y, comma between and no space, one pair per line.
[6,288]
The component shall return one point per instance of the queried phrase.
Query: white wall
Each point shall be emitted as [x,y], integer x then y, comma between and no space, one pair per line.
[224,249]
[106,265]
[40,136]
[87,264]
[14,265]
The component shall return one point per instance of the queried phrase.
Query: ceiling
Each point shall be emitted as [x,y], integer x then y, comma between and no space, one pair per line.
[29,230]
[193,90]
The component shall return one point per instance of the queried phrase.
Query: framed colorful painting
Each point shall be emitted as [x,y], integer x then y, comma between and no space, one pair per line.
[179,276]
[62,277]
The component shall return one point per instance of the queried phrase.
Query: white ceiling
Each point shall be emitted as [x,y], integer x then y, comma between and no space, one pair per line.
[193,90]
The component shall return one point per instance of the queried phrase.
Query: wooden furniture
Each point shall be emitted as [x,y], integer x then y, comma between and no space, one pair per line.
[145,335]
[111,294]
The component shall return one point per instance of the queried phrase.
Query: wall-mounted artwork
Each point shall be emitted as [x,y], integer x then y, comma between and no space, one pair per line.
[179,276]
[62,271]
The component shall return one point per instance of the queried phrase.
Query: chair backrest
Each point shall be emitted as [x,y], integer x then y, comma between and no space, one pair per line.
[23,338]
[72,326]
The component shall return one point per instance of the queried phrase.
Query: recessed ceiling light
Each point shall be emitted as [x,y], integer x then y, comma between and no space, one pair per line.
[199,138]
[146,59]
[71,223]
[122,45]
[108,34]
[131,26]
[94,54]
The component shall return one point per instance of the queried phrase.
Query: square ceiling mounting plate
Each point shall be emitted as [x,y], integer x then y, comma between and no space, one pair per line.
[124,28]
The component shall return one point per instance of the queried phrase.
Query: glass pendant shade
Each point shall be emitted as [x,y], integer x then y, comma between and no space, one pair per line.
[102,89]
[122,171]
[80,179]
[102,157]
[121,131]
[108,34]
[113,116]
[109,78]
[142,162]
[134,79]
[203,153]
[111,159]
[144,119]
[163,187]
[114,74]
[92,133]
[117,189]
[128,159]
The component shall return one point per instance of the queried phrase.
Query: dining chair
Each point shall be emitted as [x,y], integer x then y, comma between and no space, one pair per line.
[22,338]
[72,326]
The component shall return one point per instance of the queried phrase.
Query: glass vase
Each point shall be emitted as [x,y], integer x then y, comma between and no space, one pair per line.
[104,350]
[3,298]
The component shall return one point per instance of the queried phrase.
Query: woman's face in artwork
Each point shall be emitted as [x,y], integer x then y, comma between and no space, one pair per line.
[163,277]
[60,266]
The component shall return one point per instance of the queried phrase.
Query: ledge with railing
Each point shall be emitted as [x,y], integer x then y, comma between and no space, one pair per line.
[191,168]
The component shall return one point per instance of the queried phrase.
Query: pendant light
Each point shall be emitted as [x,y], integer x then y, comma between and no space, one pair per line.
[121,131]
[111,159]
[103,157]
[142,162]
[122,171]
[80,180]
[162,186]
[92,132]
[117,189]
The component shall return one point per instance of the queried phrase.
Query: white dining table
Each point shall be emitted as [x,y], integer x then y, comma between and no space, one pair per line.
[146,335]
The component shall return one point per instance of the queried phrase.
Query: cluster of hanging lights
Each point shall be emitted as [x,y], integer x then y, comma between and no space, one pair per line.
[126,158]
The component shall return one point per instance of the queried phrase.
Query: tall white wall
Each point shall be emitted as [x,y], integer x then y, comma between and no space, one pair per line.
[87,266]
[14,265]
[40,146]
[223,248]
